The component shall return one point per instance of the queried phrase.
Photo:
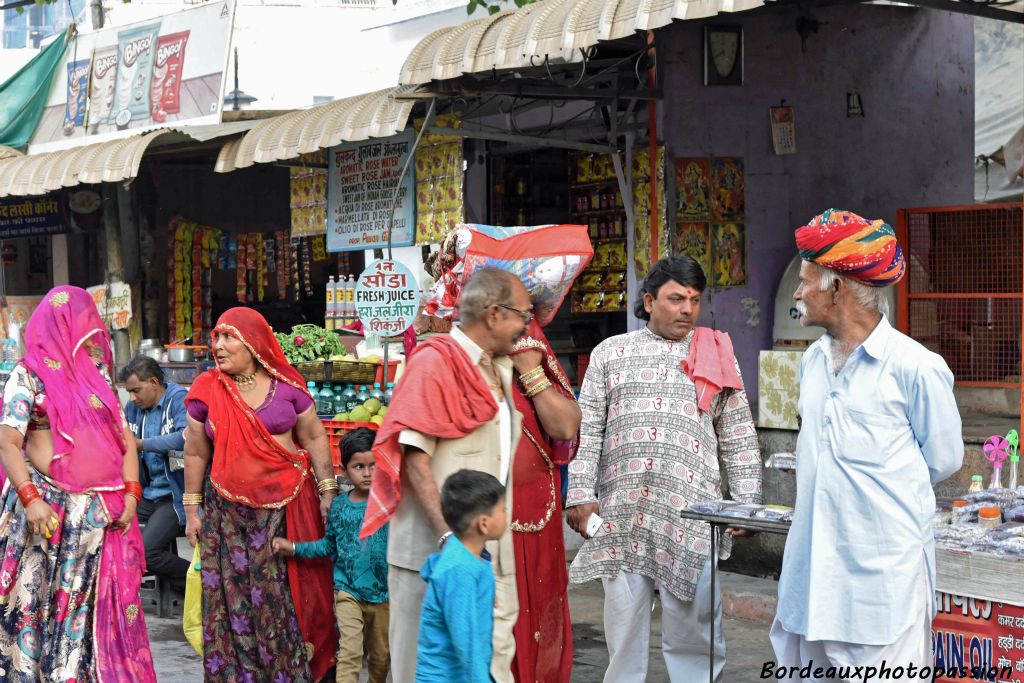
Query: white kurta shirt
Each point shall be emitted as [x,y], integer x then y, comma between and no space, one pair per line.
[873,441]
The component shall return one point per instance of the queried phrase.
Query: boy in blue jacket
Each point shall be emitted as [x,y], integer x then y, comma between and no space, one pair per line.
[458,610]
[157,417]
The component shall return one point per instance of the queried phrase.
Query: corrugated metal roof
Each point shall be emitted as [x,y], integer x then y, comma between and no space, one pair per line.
[373,115]
[553,29]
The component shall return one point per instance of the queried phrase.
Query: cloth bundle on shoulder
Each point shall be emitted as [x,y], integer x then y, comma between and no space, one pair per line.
[547,258]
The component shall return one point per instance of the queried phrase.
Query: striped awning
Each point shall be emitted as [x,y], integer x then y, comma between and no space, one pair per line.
[554,29]
[373,115]
[102,162]
[26,175]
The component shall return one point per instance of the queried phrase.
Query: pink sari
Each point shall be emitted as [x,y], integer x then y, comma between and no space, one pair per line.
[89,448]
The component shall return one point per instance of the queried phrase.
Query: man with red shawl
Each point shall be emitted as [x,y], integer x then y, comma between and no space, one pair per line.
[459,406]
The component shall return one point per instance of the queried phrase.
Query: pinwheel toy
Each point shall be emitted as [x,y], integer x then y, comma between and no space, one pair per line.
[1014,454]
[995,451]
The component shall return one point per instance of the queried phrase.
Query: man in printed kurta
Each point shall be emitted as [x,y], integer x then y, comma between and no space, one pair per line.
[661,408]
[879,427]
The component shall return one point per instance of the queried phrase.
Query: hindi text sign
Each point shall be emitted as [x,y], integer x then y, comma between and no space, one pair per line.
[362,179]
[115,304]
[387,298]
[31,217]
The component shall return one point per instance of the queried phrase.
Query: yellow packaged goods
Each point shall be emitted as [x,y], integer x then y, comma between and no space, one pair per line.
[614,279]
[584,168]
[591,302]
[617,254]
[641,163]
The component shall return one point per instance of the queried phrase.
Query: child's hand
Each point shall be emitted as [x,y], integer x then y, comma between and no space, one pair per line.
[282,546]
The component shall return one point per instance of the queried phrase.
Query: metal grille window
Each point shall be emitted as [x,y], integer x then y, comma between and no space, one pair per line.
[962,296]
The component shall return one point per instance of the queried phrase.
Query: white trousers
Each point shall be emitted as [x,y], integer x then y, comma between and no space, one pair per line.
[685,629]
[854,663]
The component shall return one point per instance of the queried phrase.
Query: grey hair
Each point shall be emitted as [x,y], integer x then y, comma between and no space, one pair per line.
[871,298]
[485,287]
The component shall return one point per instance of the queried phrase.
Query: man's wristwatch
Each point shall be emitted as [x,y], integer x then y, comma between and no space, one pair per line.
[444,539]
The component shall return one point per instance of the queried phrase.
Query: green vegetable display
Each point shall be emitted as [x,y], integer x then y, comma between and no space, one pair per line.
[309,343]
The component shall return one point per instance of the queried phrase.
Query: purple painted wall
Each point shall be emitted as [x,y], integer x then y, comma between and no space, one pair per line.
[914,70]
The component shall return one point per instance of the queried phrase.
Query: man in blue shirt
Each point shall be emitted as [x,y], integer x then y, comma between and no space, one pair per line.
[879,428]
[157,417]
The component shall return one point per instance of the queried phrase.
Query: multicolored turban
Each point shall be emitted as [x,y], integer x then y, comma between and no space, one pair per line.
[862,250]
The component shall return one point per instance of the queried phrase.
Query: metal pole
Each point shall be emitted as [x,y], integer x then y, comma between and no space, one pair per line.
[97,13]
[714,564]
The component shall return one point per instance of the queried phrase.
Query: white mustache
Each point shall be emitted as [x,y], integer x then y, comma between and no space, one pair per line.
[801,308]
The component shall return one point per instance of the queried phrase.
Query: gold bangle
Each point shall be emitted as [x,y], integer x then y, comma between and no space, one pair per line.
[326,485]
[191,499]
[538,388]
[532,375]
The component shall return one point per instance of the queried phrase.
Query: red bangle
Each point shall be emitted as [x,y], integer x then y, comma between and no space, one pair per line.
[133,489]
[28,492]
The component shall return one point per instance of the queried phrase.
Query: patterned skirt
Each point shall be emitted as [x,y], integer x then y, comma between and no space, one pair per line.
[250,634]
[48,587]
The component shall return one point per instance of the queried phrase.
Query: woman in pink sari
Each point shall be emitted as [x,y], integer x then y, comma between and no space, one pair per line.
[71,555]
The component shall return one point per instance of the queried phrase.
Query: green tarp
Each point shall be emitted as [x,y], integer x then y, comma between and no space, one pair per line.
[23,95]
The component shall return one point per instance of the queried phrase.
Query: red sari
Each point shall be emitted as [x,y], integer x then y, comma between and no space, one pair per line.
[543,631]
[252,480]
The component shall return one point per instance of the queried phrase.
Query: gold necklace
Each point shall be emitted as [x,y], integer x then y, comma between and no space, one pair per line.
[245,382]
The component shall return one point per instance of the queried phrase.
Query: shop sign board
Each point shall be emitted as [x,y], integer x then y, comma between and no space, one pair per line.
[980,639]
[362,180]
[387,298]
[130,79]
[31,217]
[114,302]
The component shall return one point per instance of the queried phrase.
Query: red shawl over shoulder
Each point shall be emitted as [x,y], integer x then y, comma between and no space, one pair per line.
[250,467]
[441,394]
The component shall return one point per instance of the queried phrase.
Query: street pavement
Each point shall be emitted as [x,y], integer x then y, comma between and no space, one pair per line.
[747,641]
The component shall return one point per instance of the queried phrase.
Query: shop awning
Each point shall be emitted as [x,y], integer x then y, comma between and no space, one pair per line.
[101,162]
[373,115]
[552,29]
[107,162]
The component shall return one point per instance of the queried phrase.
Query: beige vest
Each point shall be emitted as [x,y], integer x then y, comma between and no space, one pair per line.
[410,538]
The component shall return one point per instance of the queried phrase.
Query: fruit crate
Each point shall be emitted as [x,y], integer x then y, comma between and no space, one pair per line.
[337,429]
[313,372]
[353,372]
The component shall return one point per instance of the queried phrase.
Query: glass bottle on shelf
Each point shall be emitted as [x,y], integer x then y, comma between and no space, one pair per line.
[521,187]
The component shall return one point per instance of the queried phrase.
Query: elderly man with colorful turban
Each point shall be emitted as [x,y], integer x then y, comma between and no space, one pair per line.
[879,428]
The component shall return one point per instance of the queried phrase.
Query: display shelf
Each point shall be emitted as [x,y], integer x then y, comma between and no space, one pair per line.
[593,184]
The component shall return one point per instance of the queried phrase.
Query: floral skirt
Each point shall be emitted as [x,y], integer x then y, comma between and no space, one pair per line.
[250,633]
[48,587]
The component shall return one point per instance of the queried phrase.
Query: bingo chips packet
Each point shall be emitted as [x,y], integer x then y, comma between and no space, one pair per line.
[135,55]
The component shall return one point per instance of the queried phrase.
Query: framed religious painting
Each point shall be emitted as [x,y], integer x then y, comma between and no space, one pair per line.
[693,189]
[693,239]
[728,254]
[728,190]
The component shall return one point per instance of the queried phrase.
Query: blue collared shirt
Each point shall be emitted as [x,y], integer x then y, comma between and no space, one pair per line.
[162,430]
[873,441]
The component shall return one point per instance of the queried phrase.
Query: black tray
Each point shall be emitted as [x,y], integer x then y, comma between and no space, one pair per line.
[765,525]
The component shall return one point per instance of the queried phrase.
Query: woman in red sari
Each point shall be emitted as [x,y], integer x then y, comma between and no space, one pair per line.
[265,618]
[543,631]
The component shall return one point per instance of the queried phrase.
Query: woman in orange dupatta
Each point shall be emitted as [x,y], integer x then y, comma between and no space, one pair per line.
[543,631]
[265,618]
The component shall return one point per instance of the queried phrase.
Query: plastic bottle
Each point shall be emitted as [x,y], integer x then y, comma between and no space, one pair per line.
[350,298]
[325,401]
[377,393]
[388,393]
[976,484]
[362,396]
[331,307]
[348,398]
